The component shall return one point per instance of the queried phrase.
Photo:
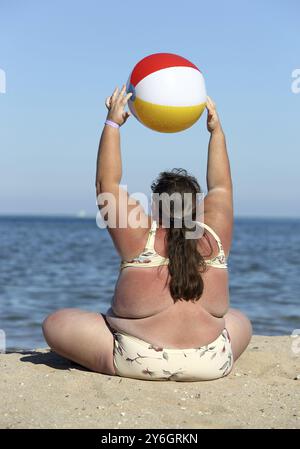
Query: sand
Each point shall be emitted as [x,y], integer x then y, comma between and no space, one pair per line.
[39,389]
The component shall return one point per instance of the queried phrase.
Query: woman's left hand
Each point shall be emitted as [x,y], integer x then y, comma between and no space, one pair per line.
[116,104]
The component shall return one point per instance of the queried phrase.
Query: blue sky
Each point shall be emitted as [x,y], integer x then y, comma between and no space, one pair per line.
[62,58]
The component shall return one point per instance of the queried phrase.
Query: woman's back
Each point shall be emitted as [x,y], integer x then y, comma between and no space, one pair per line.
[143,306]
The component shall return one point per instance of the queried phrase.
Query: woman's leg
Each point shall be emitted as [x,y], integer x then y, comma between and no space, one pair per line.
[81,336]
[240,331]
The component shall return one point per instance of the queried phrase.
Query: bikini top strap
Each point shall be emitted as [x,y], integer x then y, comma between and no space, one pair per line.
[204,225]
[152,232]
[151,236]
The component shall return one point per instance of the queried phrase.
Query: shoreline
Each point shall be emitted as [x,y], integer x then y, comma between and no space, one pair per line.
[40,389]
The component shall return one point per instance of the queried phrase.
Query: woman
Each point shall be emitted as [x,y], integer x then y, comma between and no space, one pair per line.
[170,316]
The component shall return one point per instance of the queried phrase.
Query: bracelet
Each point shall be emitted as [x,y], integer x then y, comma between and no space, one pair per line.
[111,123]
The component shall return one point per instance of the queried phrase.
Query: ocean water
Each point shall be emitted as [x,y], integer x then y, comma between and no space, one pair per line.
[51,263]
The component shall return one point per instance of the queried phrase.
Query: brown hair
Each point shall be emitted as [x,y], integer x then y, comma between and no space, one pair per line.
[185,261]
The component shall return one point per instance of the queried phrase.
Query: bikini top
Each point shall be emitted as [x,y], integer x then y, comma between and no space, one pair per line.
[150,258]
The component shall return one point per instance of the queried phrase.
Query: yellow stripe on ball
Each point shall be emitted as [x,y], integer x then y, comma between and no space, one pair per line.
[167,119]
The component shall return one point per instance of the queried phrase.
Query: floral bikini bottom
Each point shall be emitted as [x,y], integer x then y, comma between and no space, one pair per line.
[138,359]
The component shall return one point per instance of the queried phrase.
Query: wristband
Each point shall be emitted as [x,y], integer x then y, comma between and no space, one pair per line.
[111,123]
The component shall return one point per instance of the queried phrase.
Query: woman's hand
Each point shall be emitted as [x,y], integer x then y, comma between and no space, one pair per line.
[116,104]
[213,121]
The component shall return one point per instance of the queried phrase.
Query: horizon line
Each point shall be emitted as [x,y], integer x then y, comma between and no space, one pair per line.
[91,216]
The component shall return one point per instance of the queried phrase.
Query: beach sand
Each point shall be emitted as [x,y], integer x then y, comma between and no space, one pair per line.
[39,389]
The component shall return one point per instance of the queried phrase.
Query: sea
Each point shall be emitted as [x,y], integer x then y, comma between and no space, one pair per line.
[49,263]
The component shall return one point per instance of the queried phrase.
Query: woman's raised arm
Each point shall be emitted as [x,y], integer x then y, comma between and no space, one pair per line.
[218,203]
[113,201]
[109,164]
[218,167]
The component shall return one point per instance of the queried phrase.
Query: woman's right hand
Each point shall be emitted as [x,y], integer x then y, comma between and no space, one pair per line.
[213,121]
[116,106]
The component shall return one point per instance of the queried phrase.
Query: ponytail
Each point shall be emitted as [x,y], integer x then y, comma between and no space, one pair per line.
[185,261]
[185,265]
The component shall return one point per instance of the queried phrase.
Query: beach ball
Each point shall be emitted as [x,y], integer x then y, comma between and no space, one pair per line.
[168,92]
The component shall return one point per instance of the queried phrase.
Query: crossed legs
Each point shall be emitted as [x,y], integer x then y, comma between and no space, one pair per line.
[84,337]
